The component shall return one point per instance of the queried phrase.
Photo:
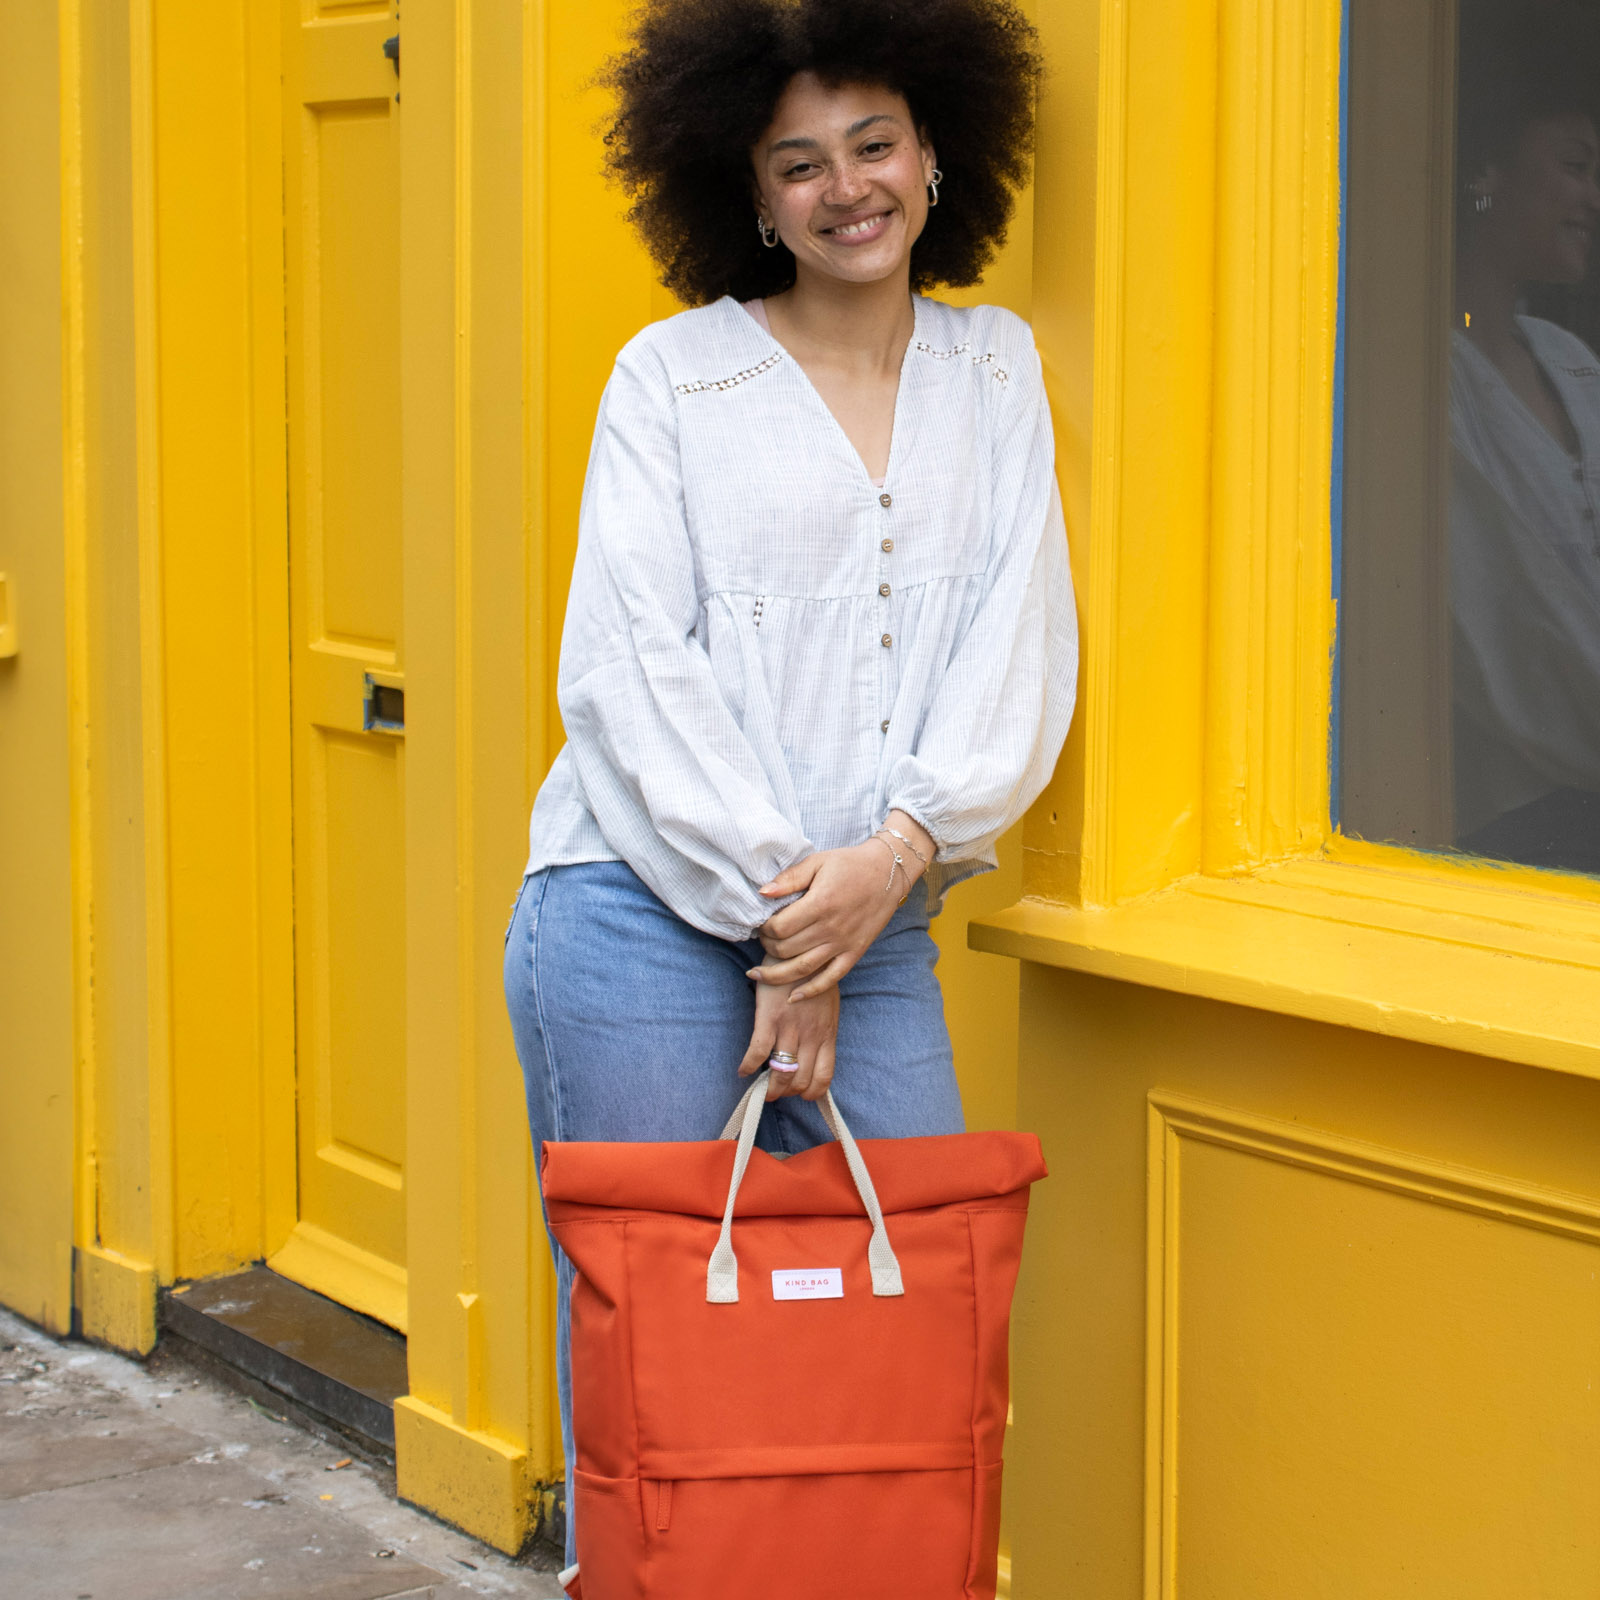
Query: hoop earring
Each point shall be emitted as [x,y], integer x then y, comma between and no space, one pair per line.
[933,187]
[769,236]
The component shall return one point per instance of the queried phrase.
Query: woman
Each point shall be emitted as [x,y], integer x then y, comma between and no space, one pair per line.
[1525,429]
[820,650]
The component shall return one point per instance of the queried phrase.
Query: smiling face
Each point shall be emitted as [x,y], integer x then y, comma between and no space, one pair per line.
[1545,201]
[842,173]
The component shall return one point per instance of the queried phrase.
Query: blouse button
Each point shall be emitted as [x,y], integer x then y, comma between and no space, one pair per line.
[886,640]
[887,546]
[883,589]
[883,727]
[885,499]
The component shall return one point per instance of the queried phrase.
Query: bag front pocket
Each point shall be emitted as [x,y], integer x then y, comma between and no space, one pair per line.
[848,1536]
[611,1536]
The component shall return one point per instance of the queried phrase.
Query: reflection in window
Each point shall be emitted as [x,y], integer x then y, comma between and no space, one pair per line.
[1470,614]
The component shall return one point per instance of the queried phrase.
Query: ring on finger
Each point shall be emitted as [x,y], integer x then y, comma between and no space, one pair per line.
[783,1061]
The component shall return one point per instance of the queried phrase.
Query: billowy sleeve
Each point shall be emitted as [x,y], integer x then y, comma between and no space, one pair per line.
[672,781]
[1527,632]
[1000,713]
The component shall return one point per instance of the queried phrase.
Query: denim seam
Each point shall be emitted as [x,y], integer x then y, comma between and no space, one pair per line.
[536,918]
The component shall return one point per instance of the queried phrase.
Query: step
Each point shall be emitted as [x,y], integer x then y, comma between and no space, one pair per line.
[343,1368]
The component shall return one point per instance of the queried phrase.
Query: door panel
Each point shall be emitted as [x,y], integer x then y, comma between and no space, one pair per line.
[352,334]
[342,270]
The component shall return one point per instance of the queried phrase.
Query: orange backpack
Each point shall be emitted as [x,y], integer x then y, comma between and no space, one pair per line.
[809,1401]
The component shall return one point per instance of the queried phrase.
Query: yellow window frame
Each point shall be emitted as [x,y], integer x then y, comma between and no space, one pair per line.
[1186,842]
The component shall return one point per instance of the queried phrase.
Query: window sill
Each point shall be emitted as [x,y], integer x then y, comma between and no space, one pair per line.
[1440,957]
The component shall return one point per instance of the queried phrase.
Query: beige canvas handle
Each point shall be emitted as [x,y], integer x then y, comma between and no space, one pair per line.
[722,1273]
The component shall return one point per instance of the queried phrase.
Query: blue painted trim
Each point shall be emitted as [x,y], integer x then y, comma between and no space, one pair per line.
[1336,506]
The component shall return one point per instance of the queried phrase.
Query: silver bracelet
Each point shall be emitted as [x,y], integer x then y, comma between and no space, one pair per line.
[898,865]
[906,842]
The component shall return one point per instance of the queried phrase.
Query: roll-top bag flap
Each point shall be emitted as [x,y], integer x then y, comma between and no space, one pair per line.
[692,1179]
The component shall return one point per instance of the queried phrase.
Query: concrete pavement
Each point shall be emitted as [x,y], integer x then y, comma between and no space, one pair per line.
[129,1481]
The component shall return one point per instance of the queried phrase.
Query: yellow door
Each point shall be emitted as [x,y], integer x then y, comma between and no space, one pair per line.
[342,241]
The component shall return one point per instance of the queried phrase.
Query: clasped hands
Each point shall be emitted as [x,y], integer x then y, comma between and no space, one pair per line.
[846,899]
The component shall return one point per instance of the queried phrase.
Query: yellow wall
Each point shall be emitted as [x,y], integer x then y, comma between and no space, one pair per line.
[1309,1300]
[37,1020]
[478,1429]
[186,1103]
[1372,1373]
[217,462]
[122,1175]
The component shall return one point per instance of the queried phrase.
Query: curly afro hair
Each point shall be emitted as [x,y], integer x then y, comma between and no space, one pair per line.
[1521,61]
[701,79]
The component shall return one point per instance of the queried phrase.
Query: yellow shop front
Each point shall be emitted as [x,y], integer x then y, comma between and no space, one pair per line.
[311,310]
[1311,1305]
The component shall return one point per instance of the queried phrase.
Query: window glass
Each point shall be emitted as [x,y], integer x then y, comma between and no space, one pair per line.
[1469,612]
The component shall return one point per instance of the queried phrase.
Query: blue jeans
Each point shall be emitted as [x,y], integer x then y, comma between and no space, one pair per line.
[630,1025]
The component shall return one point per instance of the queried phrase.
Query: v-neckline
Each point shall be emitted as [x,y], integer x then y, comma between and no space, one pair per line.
[895,430]
[1538,423]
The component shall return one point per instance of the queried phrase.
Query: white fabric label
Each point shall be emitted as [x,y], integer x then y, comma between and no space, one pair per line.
[809,1283]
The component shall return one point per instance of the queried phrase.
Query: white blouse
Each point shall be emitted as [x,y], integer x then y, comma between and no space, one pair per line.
[765,652]
[1525,571]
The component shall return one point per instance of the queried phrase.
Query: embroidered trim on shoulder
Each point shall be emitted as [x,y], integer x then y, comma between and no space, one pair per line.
[987,359]
[944,355]
[702,385]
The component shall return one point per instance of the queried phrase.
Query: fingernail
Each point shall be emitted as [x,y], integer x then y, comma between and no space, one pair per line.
[753,974]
